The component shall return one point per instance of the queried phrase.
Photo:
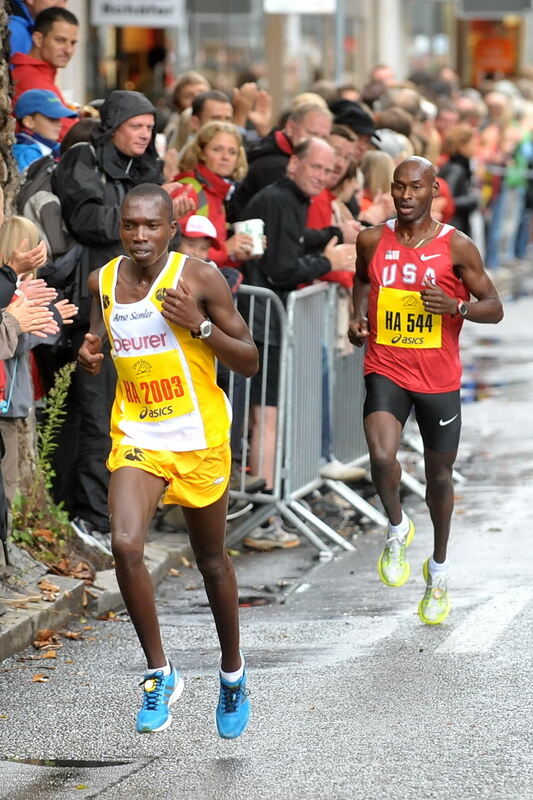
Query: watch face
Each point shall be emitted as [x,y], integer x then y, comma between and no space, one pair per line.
[463,310]
[205,329]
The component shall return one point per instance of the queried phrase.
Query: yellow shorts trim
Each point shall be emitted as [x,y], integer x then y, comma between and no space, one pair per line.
[194,478]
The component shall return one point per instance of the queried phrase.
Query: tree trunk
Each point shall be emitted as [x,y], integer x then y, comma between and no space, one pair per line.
[8,168]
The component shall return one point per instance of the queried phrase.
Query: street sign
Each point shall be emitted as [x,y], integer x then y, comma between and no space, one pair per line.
[492,9]
[137,13]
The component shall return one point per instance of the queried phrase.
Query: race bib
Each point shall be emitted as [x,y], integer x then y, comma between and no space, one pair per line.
[153,388]
[403,322]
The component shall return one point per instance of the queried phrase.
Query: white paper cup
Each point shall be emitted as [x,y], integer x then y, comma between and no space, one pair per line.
[254,228]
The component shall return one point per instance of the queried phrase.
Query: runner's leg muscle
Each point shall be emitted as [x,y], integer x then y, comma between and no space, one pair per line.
[133,497]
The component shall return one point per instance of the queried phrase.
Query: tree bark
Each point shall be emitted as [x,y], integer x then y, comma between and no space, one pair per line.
[8,169]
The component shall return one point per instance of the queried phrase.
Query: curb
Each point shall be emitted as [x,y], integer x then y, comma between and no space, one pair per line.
[18,626]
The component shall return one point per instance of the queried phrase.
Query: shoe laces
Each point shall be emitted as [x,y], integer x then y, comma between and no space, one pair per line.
[396,546]
[152,687]
[230,697]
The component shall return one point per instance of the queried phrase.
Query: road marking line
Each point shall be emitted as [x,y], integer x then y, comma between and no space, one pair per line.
[483,626]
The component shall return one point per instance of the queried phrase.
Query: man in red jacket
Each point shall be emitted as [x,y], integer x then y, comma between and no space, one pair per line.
[54,40]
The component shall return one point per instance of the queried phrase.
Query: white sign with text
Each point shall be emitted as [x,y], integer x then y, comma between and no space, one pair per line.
[137,13]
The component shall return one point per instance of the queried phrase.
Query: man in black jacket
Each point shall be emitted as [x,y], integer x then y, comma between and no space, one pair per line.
[91,181]
[268,160]
[288,261]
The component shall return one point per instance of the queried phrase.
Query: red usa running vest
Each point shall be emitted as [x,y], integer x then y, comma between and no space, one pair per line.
[417,350]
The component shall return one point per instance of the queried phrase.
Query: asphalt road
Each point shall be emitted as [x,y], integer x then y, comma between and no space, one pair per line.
[353,697]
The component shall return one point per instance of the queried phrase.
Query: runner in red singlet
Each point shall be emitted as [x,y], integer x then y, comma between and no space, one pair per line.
[414,282]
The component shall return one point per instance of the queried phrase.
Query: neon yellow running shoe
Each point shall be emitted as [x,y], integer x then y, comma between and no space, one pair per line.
[435,605]
[393,567]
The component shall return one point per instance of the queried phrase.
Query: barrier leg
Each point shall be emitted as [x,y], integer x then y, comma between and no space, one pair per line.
[321,525]
[358,502]
[325,552]
[251,522]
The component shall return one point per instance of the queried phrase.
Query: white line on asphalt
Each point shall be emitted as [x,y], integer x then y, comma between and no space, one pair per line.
[483,626]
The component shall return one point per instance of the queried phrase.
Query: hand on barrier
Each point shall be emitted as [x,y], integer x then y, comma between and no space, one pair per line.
[90,354]
[358,331]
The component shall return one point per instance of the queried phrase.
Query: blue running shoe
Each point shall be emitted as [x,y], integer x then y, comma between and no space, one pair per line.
[160,691]
[233,710]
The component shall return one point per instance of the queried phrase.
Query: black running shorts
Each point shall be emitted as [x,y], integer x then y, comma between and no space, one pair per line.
[438,415]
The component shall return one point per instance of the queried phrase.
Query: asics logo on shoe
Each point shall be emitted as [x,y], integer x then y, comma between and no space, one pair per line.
[429,257]
[443,422]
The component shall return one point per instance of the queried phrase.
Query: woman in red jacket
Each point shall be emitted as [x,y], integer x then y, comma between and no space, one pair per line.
[211,164]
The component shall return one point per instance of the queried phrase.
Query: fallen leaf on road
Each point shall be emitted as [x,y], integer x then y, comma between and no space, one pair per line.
[44,634]
[72,634]
[45,586]
[186,563]
[40,678]
[49,654]
[110,617]
[174,572]
[47,638]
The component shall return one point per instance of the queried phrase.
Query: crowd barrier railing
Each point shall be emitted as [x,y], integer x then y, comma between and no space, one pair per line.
[308,344]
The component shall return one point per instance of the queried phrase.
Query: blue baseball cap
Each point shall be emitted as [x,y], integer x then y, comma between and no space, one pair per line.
[41,101]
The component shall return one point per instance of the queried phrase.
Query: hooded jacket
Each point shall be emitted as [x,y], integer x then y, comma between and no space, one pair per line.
[92,179]
[20,28]
[33,73]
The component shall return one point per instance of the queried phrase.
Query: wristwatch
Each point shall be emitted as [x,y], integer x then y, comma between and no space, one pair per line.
[204,331]
[462,308]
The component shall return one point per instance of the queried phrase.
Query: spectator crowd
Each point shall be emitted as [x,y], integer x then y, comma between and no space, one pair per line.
[315,177]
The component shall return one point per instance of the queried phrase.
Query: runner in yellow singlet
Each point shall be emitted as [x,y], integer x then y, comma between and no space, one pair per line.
[167,318]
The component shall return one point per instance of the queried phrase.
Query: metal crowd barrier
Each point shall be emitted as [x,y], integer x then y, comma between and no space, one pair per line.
[308,328]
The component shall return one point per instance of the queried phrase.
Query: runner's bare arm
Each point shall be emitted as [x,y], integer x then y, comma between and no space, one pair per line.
[90,354]
[366,244]
[487,306]
[203,293]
